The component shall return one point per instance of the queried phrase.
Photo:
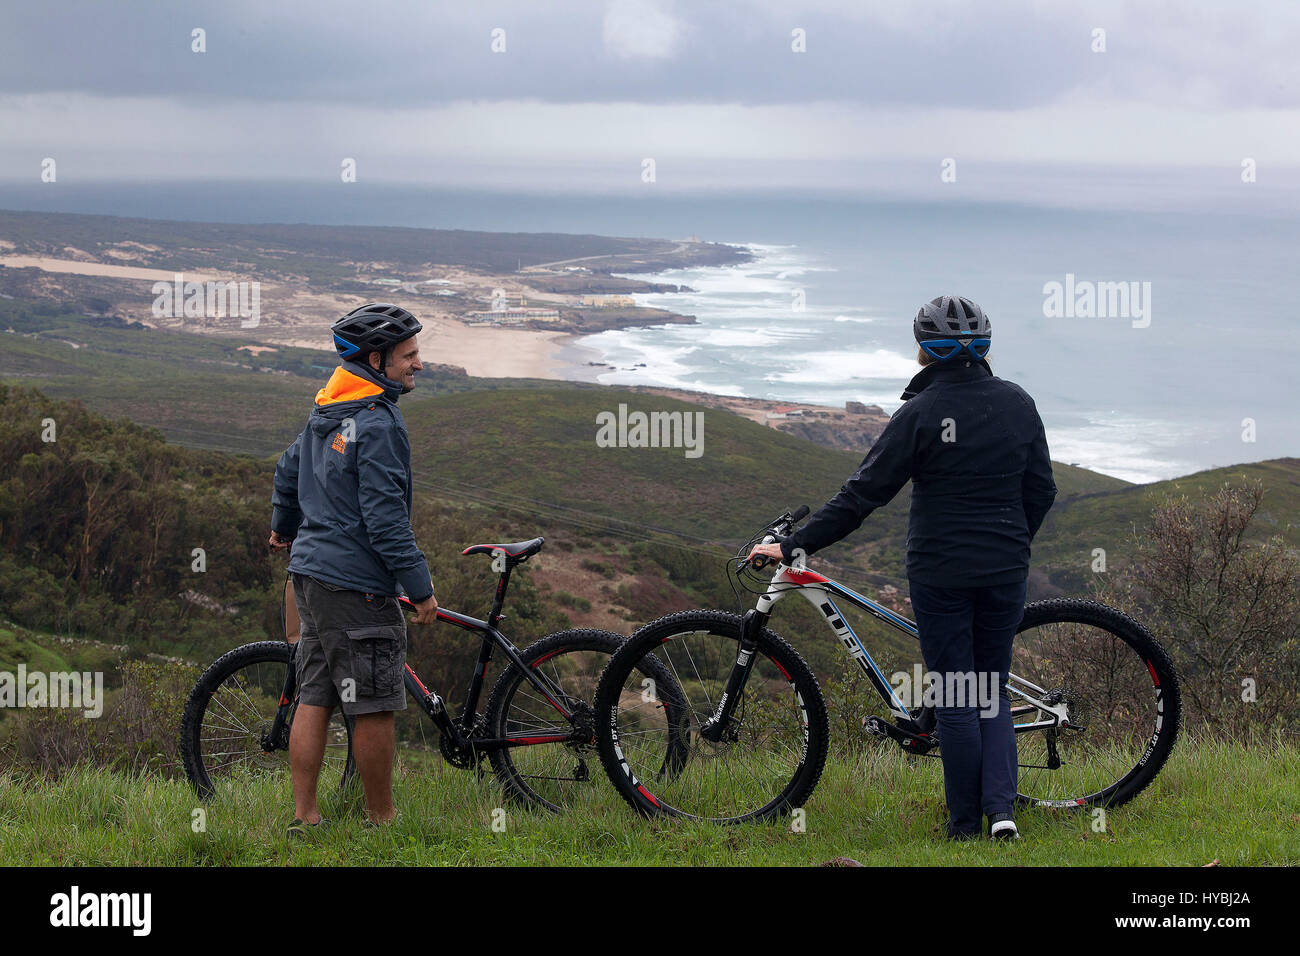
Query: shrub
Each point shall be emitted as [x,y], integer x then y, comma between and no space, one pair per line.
[138,731]
[1226,606]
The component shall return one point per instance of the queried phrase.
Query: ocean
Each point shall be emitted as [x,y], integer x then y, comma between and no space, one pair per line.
[1198,372]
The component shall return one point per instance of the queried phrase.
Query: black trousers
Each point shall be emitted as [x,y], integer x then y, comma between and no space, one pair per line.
[966,638]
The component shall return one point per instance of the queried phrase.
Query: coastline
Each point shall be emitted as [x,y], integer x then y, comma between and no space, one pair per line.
[570,360]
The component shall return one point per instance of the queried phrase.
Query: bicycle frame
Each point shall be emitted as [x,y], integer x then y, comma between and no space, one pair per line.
[434,707]
[821,592]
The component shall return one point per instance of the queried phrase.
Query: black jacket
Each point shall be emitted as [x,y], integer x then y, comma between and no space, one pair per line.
[973,446]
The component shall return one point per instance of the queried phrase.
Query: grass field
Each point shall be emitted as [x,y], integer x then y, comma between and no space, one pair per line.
[1231,803]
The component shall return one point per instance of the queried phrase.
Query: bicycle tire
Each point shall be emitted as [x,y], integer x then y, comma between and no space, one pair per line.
[198,765]
[518,783]
[1165,686]
[650,640]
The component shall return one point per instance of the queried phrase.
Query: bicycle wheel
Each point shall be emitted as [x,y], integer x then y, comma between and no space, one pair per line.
[232,708]
[1114,705]
[770,758]
[556,774]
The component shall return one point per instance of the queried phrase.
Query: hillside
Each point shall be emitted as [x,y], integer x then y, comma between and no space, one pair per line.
[531,442]
[317,251]
[632,533]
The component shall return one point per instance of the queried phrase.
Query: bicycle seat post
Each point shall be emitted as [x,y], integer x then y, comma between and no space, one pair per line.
[509,555]
[503,582]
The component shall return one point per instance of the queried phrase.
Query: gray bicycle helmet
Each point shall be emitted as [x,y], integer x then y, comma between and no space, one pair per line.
[375,327]
[949,325]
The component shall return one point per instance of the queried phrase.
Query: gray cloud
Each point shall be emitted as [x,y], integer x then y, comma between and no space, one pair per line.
[712,91]
[940,54]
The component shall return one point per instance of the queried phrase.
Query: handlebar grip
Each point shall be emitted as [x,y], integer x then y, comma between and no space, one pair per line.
[800,514]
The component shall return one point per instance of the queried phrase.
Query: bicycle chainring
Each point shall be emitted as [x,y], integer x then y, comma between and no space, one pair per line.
[464,757]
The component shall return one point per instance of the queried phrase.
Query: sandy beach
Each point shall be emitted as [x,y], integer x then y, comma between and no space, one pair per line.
[76,267]
[292,314]
[482,351]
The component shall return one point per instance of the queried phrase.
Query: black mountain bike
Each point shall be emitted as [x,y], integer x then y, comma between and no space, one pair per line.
[1094,701]
[536,731]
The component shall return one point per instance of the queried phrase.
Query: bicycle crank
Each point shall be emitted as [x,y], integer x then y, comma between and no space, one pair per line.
[912,743]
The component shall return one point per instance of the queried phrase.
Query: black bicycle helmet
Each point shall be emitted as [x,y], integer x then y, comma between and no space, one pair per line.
[375,327]
[950,325]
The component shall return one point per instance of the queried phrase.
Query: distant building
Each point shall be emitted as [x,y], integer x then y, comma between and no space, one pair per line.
[785,411]
[513,316]
[608,301]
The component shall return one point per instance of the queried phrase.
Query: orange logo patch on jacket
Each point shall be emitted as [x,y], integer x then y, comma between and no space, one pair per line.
[340,443]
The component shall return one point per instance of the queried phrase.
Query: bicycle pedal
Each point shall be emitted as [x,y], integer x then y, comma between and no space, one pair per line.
[875,727]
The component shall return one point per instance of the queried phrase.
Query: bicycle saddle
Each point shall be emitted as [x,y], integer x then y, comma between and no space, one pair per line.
[519,551]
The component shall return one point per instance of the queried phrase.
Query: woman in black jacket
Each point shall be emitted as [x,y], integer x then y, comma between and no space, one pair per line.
[974,448]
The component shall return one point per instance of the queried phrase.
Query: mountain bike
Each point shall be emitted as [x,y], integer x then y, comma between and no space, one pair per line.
[536,730]
[1094,699]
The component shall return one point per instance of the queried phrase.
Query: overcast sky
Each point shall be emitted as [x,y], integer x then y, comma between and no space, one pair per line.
[584,91]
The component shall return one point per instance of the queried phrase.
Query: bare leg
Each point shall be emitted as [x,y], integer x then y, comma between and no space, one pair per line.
[292,626]
[306,753]
[373,747]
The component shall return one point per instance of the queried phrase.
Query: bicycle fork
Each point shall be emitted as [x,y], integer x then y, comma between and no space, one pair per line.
[277,737]
[721,726]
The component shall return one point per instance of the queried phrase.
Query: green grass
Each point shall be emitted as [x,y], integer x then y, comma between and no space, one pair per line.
[1228,802]
[18,648]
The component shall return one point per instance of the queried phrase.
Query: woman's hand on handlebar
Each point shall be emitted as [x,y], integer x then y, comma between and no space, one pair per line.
[772,551]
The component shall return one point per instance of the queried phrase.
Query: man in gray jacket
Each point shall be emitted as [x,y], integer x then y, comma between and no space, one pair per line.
[343,498]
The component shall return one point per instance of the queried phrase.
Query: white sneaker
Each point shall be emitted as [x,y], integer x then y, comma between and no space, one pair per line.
[1003,827]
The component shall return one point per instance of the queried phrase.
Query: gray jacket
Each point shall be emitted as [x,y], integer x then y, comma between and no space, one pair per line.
[343,490]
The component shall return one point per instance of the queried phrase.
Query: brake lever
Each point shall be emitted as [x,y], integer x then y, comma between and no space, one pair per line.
[762,561]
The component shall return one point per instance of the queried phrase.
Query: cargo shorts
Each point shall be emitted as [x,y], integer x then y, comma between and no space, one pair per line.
[352,652]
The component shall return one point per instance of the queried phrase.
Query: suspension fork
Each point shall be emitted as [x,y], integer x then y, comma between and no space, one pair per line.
[272,739]
[715,728]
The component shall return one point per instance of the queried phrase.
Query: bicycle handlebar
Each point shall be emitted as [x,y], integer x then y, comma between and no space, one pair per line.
[777,529]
